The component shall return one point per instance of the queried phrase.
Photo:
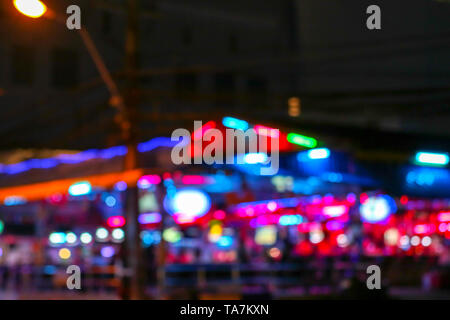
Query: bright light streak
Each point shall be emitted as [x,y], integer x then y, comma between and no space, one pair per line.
[290,220]
[234,123]
[429,158]
[266,131]
[57,238]
[334,211]
[254,158]
[320,153]
[301,140]
[31,8]
[80,188]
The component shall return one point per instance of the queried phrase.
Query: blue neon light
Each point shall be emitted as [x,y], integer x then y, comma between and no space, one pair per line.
[377,209]
[235,123]
[188,203]
[225,241]
[313,154]
[80,188]
[431,158]
[319,153]
[14,201]
[108,153]
[151,217]
[290,220]
[254,158]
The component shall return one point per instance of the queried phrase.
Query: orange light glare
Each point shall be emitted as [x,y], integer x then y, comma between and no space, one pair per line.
[31,8]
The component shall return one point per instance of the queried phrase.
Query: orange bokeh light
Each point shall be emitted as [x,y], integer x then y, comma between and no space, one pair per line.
[31,8]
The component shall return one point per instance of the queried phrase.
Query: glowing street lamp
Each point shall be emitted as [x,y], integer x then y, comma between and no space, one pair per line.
[31,8]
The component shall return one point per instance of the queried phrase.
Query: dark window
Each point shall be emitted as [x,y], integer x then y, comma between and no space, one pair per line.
[106,23]
[257,85]
[186,82]
[224,82]
[233,42]
[187,36]
[65,68]
[23,65]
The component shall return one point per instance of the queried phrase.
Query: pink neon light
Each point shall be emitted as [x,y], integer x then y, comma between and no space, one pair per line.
[444,216]
[150,179]
[443,227]
[199,133]
[182,219]
[266,131]
[308,226]
[219,214]
[116,221]
[194,180]
[421,228]
[265,220]
[334,211]
[246,212]
[272,206]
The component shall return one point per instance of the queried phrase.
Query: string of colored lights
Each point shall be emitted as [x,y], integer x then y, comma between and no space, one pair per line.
[421,158]
[83,156]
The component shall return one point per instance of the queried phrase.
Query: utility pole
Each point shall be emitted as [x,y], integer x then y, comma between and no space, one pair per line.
[135,278]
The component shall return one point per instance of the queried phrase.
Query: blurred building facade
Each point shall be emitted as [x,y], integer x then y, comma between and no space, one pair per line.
[218,57]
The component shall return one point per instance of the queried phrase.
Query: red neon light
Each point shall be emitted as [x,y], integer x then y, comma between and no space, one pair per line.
[116,221]
[404,200]
[363,197]
[199,133]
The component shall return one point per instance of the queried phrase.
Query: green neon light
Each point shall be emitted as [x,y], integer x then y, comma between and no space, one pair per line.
[2,226]
[301,140]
